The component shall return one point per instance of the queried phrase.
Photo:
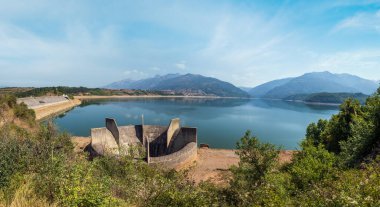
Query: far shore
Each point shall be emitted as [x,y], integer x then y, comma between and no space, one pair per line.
[152,96]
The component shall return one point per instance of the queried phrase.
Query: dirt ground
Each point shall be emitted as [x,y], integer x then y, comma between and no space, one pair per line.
[80,143]
[214,164]
[47,111]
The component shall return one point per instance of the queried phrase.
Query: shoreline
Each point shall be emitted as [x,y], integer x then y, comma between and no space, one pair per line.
[300,101]
[51,110]
[199,97]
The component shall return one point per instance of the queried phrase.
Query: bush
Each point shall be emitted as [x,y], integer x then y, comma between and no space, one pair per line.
[81,185]
[21,111]
[311,165]
[257,160]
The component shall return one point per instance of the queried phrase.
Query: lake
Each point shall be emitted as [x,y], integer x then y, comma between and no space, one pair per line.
[220,122]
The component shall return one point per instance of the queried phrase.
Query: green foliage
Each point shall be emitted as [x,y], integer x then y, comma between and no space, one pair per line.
[72,91]
[314,132]
[257,160]
[329,98]
[21,111]
[354,187]
[8,100]
[8,105]
[81,185]
[352,134]
[311,165]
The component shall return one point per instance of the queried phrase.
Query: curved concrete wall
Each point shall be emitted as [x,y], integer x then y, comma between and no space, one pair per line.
[177,159]
[186,135]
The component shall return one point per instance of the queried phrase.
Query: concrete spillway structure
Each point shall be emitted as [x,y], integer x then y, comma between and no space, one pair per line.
[168,146]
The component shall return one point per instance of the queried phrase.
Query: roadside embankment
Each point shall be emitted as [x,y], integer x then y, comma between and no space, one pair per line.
[55,108]
[46,106]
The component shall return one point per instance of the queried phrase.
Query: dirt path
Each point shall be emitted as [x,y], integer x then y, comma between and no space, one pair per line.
[51,110]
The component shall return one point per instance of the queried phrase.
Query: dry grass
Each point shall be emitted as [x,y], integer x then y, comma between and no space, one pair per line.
[25,197]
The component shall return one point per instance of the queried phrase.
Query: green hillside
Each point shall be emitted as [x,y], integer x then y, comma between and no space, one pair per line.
[333,98]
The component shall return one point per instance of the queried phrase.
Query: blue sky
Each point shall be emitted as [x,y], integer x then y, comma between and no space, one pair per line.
[92,43]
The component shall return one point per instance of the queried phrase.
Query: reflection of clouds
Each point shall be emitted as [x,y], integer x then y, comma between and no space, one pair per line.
[291,126]
[132,116]
[292,106]
[157,120]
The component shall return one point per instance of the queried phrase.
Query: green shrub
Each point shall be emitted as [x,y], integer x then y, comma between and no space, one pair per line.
[311,165]
[81,185]
[257,160]
[21,111]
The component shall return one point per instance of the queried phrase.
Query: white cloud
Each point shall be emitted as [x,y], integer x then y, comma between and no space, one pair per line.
[35,59]
[181,65]
[364,63]
[362,21]
[155,68]
[135,74]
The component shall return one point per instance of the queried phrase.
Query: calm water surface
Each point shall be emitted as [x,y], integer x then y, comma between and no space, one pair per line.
[220,122]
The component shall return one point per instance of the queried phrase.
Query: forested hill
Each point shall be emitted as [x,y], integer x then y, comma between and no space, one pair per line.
[316,82]
[328,98]
[188,84]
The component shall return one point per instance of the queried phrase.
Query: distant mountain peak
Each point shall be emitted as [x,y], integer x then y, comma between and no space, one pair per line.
[314,82]
[183,84]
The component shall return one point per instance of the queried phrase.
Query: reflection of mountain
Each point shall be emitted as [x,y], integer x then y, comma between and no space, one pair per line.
[194,108]
[215,102]
[290,105]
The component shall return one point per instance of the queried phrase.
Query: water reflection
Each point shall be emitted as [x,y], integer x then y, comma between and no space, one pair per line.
[220,122]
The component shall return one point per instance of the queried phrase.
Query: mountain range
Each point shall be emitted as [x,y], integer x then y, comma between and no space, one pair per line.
[287,88]
[188,84]
[316,82]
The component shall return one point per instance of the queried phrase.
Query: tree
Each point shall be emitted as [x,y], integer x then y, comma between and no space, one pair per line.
[256,161]
[315,132]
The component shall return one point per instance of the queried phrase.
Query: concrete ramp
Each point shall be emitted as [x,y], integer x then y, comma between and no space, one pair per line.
[111,125]
[173,130]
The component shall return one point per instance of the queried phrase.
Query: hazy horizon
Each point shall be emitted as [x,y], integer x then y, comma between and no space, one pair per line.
[246,43]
